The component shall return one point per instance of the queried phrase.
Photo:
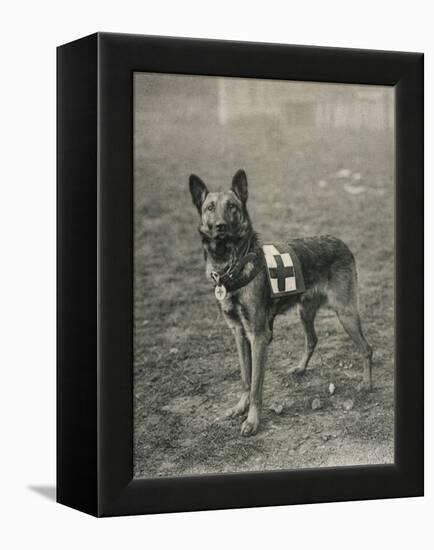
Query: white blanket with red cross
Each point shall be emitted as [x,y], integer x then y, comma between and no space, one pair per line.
[283,270]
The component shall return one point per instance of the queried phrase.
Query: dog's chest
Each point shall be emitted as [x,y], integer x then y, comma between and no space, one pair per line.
[233,308]
[228,305]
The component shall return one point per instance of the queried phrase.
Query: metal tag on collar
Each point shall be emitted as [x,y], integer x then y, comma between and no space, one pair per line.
[219,290]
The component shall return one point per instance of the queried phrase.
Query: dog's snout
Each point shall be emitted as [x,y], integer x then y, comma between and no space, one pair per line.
[220,226]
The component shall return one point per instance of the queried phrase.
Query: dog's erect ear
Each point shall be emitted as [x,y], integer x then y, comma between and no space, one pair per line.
[239,185]
[198,191]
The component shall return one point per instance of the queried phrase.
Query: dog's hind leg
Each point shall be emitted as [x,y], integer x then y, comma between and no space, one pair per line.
[307,311]
[342,297]
[350,320]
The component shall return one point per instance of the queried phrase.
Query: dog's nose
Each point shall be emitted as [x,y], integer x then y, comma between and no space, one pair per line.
[220,226]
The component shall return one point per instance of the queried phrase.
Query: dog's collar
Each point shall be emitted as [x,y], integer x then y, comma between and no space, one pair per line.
[234,278]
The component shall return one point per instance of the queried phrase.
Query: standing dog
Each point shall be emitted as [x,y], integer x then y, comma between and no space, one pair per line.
[233,254]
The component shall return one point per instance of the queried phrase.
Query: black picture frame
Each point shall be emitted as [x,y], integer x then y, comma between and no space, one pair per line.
[95,274]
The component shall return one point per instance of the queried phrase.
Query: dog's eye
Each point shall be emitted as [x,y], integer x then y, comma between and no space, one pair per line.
[233,207]
[210,206]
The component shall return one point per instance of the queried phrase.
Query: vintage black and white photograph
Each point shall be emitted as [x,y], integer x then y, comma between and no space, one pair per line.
[263,275]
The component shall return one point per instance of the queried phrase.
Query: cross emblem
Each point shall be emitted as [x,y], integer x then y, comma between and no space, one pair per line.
[220,292]
[281,272]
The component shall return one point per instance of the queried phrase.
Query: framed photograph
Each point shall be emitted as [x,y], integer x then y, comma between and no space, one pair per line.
[240,274]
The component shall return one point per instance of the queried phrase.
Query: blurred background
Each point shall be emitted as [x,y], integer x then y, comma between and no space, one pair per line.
[319,159]
[222,100]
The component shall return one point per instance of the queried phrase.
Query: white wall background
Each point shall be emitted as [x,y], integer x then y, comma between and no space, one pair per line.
[29,33]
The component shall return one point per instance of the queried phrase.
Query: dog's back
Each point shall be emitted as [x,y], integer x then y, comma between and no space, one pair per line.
[329,268]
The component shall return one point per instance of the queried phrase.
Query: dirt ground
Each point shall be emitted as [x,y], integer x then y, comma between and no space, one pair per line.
[302,182]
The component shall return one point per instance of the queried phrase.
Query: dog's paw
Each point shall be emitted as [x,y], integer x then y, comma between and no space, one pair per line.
[240,408]
[249,428]
[233,412]
[299,369]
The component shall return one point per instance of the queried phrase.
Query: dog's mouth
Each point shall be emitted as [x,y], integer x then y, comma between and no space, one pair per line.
[220,236]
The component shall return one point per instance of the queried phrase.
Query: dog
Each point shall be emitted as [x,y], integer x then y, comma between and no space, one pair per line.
[231,246]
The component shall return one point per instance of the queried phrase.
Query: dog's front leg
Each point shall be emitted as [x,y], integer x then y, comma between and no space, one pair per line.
[259,344]
[244,357]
